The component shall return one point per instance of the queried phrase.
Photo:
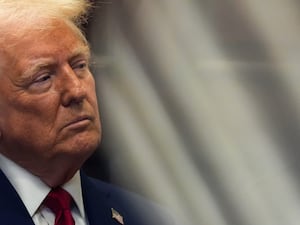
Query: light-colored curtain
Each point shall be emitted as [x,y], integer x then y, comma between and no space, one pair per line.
[200,105]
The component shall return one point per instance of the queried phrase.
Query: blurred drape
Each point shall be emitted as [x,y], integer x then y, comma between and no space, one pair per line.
[200,105]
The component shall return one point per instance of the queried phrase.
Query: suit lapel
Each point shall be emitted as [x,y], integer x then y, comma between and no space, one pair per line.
[95,198]
[12,209]
[109,205]
[95,201]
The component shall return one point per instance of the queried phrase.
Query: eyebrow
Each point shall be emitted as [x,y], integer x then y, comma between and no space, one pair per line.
[43,63]
[81,51]
[48,62]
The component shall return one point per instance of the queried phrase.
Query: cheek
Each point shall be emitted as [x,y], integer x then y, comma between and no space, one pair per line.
[93,101]
[24,132]
[23,114]
[29,120]
[28,130]
[91,90]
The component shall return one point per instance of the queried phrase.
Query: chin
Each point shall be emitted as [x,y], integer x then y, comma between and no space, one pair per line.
[85,144]
[76,156]
[79,146]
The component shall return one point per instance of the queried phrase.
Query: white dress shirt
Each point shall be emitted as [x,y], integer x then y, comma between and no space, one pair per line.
[33,191]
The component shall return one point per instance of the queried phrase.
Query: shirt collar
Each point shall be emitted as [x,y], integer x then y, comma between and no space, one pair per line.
[73,186]
[32,190]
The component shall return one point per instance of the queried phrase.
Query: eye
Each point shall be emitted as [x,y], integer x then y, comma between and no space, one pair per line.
[41,83]
[81,67]
[82,64]
[42,78]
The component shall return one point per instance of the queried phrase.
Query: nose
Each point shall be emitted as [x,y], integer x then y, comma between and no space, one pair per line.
[73,91]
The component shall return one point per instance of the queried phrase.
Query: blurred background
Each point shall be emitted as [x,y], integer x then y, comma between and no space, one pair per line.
[200,105]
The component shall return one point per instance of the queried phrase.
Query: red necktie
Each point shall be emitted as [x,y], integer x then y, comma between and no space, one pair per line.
[59,201]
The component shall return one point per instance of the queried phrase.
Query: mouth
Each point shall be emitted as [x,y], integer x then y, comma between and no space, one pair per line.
[80,122]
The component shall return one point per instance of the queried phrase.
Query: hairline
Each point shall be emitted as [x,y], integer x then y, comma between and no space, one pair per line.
[11,40]
[19,18]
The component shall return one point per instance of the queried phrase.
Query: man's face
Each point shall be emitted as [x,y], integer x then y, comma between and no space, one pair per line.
[48,104]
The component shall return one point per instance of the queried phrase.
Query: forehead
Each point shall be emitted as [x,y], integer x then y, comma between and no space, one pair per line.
[59,38]
[53,45]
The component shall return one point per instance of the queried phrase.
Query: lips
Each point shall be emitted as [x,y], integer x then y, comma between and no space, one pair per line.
[79,122]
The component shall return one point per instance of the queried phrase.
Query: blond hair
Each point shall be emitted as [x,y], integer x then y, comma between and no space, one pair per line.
[19,16]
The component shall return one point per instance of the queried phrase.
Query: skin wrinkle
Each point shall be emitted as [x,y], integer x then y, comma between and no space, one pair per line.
[71,94]
[39,64]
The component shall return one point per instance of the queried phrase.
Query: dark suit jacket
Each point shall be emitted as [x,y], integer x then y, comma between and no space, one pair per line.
[99,198]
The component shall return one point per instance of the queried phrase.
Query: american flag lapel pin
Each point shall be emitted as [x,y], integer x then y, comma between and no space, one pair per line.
[117,216]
